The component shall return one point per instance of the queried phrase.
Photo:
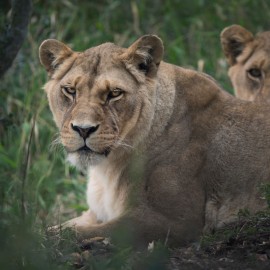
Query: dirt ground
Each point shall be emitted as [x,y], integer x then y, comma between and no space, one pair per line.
[243,245]
[186,258]
[191,258]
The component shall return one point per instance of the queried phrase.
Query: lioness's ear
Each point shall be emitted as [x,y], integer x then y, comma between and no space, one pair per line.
[145,54]
[53,53]
[233,40]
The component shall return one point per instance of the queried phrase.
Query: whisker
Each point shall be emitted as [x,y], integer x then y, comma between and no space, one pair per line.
[124,144]
[56,145]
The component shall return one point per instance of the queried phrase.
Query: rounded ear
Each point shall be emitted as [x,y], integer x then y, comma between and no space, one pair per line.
[145,54]
[53,53]
[233,40]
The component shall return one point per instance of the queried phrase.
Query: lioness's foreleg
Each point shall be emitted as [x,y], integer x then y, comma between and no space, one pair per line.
[88,218]
[142,226]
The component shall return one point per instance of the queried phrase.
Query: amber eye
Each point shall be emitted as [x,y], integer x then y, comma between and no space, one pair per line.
[255,72]
[69,90]
[115,93]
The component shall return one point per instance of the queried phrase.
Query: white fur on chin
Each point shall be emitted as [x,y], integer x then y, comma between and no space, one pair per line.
[83,162]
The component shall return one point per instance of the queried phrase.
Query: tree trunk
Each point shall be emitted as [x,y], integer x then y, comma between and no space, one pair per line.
[13,35]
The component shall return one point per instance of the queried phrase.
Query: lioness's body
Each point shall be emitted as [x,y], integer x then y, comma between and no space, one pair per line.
[248,58]
[196,157]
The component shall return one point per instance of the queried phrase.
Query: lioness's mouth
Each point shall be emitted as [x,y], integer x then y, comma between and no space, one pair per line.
[86,150]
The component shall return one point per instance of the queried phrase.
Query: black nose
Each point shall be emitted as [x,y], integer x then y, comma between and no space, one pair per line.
[84,132]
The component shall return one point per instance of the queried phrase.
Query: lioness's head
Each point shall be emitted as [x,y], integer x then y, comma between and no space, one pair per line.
[249,60]
[102,99]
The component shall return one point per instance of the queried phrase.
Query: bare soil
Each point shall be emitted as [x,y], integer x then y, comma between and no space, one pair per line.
[242,245]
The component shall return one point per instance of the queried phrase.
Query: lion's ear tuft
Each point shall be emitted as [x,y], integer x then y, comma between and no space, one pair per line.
[145,54]
[233,40]
[53,53]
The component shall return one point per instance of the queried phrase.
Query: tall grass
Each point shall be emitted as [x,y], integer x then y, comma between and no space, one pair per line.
[37,187]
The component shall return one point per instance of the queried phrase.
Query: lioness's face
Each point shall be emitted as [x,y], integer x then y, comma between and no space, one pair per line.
[250,75]
[101,99]
[249,61]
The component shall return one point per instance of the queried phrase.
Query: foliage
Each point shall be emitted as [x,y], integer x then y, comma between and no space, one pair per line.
[36,185]
[265,190]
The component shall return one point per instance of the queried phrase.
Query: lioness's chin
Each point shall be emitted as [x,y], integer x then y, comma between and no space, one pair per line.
[83,159]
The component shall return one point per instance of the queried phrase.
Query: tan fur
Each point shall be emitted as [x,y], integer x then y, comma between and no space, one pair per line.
[171,155]
[245,52]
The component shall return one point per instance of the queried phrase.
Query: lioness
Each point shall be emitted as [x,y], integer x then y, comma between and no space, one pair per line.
[248,57]
[168,152]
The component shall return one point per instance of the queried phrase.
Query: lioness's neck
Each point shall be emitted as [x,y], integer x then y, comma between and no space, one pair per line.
[165,96]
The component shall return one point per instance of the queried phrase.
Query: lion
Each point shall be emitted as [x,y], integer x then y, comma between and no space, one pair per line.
[168,153]
[247,56]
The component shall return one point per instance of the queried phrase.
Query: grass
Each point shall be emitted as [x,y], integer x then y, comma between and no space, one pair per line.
[37,187]
[248,236]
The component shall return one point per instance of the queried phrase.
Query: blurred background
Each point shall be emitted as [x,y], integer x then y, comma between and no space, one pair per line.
[37,187]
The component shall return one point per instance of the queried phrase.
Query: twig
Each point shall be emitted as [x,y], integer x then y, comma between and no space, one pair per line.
[25,168]
[167,237]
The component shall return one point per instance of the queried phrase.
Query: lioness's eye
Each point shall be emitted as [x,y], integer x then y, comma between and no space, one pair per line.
[255,72]
[69,90]
[115,93]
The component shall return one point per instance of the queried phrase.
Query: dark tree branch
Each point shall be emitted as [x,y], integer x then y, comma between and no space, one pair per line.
[12,37]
